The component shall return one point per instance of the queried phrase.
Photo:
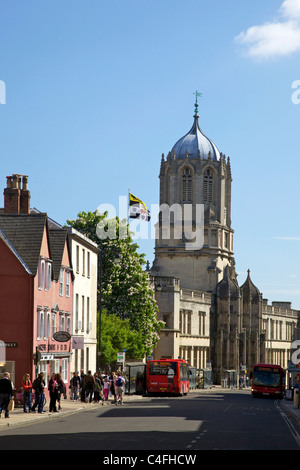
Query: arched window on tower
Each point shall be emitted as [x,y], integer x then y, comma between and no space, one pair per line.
[186,185]
[208,186]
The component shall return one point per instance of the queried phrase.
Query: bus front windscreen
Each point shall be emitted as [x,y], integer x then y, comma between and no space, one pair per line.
[266,377]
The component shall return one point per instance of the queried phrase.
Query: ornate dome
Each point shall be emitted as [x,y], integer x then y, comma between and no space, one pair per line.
[196,141]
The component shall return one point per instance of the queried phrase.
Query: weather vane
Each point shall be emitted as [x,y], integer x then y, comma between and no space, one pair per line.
[196,104]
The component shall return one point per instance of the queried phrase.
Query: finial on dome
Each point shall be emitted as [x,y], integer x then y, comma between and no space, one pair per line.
[196,103]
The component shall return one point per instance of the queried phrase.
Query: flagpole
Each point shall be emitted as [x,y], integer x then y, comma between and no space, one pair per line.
[128,202]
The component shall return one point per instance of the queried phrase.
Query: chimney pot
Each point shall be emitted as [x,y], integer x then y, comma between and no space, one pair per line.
[17,200]
[25,183]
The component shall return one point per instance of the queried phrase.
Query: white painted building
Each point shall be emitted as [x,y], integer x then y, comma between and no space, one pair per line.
[84,336]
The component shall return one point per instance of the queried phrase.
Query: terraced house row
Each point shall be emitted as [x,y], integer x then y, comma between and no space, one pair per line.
[48,285]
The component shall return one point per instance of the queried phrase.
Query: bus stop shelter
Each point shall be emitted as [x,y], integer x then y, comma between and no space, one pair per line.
[204,378]
[292,381]
[229,379]
[135,378]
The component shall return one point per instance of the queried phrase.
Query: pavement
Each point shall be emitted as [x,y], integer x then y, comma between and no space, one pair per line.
[17,417]
[291,409]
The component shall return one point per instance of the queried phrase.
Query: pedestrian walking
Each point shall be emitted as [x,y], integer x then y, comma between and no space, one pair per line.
[53,391]
[112,379]
[75,386]
[39,389]
[27,390]
[82,386]
[119,390]
[97,388]
[89,385]
[6,394]
[60,389]
[106,385]
[241,383]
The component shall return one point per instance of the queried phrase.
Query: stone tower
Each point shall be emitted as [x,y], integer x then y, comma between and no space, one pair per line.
[210,321]
[195,192]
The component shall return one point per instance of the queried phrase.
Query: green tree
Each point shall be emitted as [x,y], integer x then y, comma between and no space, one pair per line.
[125,289]
[116,336]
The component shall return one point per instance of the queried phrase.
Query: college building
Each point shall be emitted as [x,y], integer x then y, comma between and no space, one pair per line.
[210,320]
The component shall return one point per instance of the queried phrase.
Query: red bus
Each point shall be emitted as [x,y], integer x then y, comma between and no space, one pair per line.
[268,380]
[168,376]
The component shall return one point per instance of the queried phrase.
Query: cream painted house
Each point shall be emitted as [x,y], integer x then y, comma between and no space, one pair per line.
[84,254]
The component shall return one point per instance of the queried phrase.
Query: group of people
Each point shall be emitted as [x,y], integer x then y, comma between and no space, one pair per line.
[55,388]
[86,387]
[97,387]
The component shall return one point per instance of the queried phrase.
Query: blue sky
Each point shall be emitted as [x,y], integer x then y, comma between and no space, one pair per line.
[96,91]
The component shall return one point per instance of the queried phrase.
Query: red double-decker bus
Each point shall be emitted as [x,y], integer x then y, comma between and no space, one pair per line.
[268,380]
[168,376]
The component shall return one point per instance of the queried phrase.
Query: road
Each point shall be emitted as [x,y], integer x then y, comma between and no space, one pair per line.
[206,420]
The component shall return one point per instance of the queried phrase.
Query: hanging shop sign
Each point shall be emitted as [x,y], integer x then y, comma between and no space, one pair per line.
[62,336]
[77,342]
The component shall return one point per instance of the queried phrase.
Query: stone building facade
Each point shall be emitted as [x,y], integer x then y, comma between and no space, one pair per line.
[210,320]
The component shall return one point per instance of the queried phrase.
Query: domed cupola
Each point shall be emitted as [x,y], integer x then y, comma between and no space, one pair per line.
[196,143]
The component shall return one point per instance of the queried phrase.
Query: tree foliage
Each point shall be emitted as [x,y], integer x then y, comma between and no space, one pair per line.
[118,335]
[125,290]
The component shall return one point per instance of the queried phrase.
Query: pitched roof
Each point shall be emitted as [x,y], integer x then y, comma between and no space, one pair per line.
[25,233]
[13,250]
[58,239]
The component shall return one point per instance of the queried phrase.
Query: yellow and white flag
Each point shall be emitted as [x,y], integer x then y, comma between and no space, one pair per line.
[138,209]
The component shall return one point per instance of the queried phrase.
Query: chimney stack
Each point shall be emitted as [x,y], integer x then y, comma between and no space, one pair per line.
[16,198]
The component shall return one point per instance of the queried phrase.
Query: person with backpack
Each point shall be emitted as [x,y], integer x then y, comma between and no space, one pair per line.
[39,388]
[119,388]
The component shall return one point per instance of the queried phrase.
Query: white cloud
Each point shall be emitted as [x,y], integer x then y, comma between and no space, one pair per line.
[295,239]
[290,9]
[274,39]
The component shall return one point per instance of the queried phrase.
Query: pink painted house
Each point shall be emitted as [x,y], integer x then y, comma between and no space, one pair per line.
[36,288]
